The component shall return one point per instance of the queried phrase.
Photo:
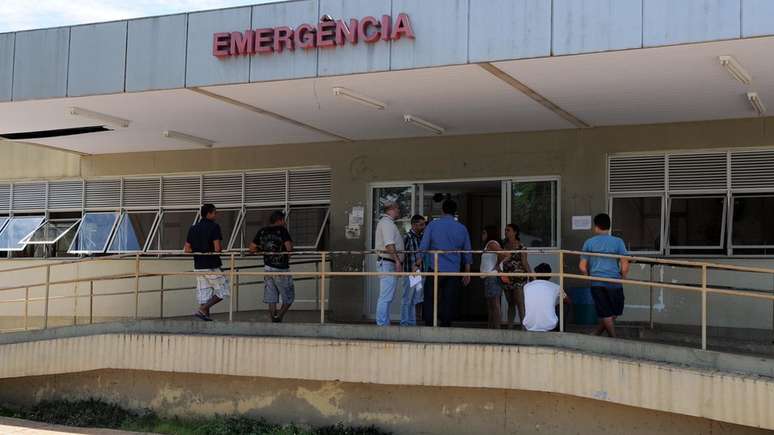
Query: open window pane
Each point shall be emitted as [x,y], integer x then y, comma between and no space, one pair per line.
[753,217]
[93,233]
[697,222]
[51,231]
[132,231]
[227,219]
[306,225]
[254,220]
[172,230]
[16,230]
[3,220]
[638,222]
[534,210]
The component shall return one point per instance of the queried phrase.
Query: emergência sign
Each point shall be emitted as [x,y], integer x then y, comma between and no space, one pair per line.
[326,34]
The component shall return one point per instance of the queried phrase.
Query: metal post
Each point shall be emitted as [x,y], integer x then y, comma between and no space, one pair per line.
[91,302]
[231,299]
[75,304]
[651,296]
[322,286]
[26,308]
[435,289]
[561,289]
[236,294]
[136,286]
[704,307]
[48,288]
[161,299]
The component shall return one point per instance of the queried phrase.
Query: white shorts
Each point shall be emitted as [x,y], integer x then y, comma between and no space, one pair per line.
[209,285]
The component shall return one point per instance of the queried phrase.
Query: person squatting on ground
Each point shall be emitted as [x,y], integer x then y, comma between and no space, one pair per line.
[389,244]
[276,244]
[608,297]
[205,237]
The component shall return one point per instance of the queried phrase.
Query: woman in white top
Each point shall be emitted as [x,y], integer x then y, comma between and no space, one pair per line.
[490,264]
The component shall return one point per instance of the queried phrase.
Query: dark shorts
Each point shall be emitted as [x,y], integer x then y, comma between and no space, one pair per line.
[608,301]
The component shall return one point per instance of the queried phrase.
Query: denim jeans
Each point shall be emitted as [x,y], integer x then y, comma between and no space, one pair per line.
[387,286]
[448,291]
[411,297]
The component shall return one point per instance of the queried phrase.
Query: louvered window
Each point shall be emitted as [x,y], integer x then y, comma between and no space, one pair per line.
[753,170]
[5,197]
[698,172]
[103,194]
[29,196]
[309,186]
[141,192]
[265,188]
[181,191]
[637,174]
[222,189]
[65,195]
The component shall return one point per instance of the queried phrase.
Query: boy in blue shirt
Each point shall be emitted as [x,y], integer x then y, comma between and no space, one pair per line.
[608,296]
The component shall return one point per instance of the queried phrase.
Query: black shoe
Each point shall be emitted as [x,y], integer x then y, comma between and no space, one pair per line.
[276,319]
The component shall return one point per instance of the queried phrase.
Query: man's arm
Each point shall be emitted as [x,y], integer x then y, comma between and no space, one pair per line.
[253,247]
[624,261]
[424,245]
[394,254]
[217,245]
[584,266]
[468,259]
[187,248]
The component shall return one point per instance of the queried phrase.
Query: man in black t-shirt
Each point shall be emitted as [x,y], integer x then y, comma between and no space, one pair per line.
[205,237]
[276,238]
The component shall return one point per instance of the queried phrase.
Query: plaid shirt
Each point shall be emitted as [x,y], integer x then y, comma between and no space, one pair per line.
[411,242]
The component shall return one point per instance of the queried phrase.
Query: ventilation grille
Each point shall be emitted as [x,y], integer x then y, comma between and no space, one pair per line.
[637,174]
[698,171]
[65,194]
[5,197]
[265,187]
[181,191]
[103,193]
[222,189]
[308,186]
[29,196]
[141,192]
[752,170]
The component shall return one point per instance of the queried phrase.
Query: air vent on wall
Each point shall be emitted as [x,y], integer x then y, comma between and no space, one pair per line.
[43,134]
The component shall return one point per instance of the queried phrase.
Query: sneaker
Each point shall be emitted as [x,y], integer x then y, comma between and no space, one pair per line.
[276,319]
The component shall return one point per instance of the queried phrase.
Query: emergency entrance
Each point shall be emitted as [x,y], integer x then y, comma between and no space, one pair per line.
[532,203]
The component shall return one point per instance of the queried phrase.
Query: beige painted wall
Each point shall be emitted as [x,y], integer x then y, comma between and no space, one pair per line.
[400,409]
[578,156]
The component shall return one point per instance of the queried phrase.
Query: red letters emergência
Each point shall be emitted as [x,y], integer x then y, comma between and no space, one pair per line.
[326,34]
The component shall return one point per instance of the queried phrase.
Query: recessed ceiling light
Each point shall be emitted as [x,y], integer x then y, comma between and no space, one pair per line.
[736,69]
[171,134]
[421,123]
[359,98]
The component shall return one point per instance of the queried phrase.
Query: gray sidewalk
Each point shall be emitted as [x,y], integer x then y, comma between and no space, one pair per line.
[16,426]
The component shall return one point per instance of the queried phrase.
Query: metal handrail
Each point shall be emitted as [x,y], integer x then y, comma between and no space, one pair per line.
[234,272]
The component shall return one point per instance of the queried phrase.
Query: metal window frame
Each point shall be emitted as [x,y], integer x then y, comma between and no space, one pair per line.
[237,223]
[724,217]
[557,203]
[731,244]
[662,233]
[241,224]
[159,221]
[22,240]
[70,250]
[76,222]
[124,213]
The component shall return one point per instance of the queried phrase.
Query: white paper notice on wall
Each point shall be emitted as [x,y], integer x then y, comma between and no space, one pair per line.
[581,223]
[357,215]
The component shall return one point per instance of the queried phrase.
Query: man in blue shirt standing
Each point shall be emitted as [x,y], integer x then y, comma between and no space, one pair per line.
[608,297]
[445,234]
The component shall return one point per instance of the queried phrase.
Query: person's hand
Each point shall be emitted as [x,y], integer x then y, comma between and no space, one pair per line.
[398,267]
[466,280]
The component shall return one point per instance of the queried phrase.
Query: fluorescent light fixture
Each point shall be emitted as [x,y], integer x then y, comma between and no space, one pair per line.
[735,69]
[359,98]
[421,123]
[196,140]
[756,102]
[106,119]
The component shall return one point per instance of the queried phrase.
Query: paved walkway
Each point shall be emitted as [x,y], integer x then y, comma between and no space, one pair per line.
[15,426]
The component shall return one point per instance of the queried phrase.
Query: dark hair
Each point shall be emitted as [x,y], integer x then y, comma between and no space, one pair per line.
[543,268]
[491,234]
[602,221]
[449,207]
[515,229]
[417,218]
[276,216]
[207,209]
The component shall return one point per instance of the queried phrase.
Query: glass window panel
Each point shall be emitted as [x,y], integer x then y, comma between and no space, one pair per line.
[227,219]
[534,210]
[638,222]
[132,231]
[254,220]
[696,221]
[51,231]
[172,230]
[403,196]
[753,217]
[305,224]
[93,233]
[16,230]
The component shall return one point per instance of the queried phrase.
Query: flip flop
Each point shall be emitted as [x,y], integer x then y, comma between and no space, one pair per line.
[201,316]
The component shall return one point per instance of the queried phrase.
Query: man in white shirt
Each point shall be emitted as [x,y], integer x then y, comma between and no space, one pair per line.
[389,244]
[541,297]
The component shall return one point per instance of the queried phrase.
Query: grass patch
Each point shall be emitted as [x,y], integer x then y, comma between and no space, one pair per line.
[99,414]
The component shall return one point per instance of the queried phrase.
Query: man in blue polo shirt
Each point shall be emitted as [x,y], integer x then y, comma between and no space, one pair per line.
[445,234]
[608,297]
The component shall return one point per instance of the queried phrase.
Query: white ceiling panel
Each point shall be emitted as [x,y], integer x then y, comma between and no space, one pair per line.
[669,84]
[462,99]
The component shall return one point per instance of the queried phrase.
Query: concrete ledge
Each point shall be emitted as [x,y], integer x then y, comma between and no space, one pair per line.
[635,350]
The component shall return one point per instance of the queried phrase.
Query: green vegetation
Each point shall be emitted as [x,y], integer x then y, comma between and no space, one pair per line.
[95,413]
